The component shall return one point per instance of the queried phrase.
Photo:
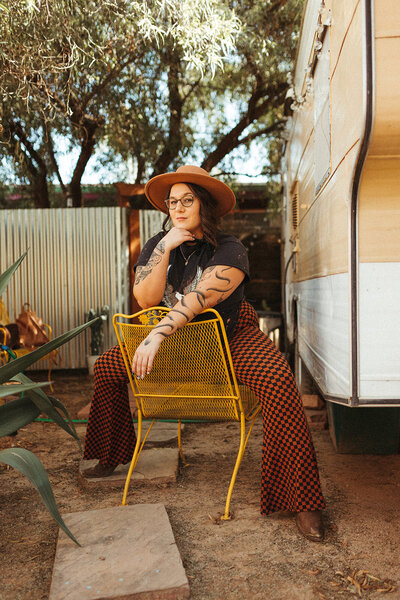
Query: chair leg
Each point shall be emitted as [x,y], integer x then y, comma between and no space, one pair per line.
[135,457]
[242,447]
[136,454]
[186,464]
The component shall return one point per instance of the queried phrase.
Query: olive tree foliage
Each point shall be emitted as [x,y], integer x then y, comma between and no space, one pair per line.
[65,63]
[176,114]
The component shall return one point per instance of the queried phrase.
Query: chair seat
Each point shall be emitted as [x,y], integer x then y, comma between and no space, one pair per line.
[172,400]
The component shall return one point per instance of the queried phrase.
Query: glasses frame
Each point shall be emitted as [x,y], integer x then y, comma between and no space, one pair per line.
[185,201]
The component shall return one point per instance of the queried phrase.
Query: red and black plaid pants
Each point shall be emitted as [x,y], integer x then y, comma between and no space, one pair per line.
[289,477]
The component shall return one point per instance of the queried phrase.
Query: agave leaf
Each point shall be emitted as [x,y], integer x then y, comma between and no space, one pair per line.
[46,405]
[20,364]
[6,276]
[16,414]
[62,408]
[30,466]
[8,390]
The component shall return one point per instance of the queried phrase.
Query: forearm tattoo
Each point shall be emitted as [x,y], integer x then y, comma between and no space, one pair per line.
[176,310]
[186,311]
[207,273]
[201,299]
[185,305]
[226,282]
[164,325]
[155,258]
[172,328]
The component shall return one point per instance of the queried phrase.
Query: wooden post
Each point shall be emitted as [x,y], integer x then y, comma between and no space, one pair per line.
[134,251]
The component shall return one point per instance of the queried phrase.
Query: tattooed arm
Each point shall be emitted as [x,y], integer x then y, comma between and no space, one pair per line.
[150,279]
[216,284]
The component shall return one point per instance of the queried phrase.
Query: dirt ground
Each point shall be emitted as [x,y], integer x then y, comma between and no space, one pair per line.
[250,557]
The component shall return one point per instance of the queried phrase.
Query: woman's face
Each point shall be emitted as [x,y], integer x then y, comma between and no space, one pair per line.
[186,217]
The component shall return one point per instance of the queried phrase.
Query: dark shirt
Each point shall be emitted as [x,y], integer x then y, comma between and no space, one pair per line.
[188,262]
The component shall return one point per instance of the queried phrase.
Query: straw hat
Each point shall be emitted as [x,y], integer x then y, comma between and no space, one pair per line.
[157,188]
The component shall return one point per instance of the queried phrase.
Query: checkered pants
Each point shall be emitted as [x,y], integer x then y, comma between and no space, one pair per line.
[289,476]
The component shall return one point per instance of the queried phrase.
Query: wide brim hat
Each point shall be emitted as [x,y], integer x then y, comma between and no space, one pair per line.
[157,188]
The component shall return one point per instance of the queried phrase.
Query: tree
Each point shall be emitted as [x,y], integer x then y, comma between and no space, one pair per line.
[60,59]
[21,142]
[177,115]
[163,103]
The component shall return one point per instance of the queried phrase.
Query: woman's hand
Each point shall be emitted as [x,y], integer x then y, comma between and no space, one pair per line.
[150,279]
[142,362]
[177,236]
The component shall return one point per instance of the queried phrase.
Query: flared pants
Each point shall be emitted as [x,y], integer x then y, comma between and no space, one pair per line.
[289,475]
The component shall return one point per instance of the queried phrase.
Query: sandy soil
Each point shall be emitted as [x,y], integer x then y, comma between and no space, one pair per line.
[249,557]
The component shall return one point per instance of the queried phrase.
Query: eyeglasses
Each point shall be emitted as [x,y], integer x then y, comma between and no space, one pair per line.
[186,201]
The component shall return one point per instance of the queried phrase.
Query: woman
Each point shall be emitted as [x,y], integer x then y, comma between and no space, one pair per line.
[190,267]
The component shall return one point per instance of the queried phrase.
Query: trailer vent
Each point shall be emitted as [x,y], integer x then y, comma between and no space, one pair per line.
[294,196]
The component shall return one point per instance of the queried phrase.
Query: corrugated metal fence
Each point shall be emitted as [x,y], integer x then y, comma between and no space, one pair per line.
[150,223]
[77,259]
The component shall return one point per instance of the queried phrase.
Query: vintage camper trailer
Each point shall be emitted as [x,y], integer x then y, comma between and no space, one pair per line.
[341,224]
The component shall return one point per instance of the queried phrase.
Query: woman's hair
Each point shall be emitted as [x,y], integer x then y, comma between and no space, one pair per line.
[210,222]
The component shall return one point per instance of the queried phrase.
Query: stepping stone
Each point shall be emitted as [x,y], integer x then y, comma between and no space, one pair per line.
[126,552]
[156,465]
[161,433]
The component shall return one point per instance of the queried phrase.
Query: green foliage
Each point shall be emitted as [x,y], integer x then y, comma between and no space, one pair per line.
[63,43]
[175,116]
[30,466]
[19,196]
[8,273]
[23,410]
[6,390]
[60,61]
[157,83]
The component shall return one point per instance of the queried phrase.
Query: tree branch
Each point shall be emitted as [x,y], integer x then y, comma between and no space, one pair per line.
[237,174]
[128,59]
[86,146]
[191,90]
[21,134]
[52,156]
[173,142]
[255,134]
[38,174]
[254,111]
[277,5]
[13,142]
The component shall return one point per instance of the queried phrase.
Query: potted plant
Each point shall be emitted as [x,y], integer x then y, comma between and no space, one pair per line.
[96,334]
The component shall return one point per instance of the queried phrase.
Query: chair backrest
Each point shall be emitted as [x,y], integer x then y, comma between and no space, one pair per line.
[192,375]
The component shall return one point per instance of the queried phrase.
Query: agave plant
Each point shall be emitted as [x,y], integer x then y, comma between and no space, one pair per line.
[23,410]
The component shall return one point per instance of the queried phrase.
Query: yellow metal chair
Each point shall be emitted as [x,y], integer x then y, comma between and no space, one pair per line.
[192,378]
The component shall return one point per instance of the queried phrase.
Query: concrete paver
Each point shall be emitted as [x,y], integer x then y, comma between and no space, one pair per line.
[126,552]
[155,465]
[161,433]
